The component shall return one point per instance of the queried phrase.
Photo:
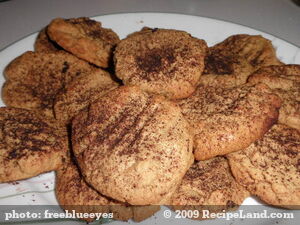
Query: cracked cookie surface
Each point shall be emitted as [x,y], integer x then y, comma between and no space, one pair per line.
[209,185]
[33,79]
[230,62]
[85,38]
[29,145]
[229,119]
[285,82]
[269,168]
[80,92]
[132,146]
[256,49]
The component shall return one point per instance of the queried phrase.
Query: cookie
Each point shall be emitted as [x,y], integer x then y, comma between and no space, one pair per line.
[161,61]
[132,146]
[30,145]
[269,168]
[256,49]
[225,70]
[73,193]
[229,119]
[285,82]
[44,44]
[85,38]
[209,185]
[80,92]
[33,79]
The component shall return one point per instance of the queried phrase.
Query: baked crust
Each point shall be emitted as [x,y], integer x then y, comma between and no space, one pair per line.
[33,79]
[225,70]
[161,61]
[209,185]
[44,44]
[132,146]
[269,168]
[85,38]
[80,92]
[285,82]
[256,49]
[30,144]
[229,119]
[230,62]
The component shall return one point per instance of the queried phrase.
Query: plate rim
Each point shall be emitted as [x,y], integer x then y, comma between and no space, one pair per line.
[158,13]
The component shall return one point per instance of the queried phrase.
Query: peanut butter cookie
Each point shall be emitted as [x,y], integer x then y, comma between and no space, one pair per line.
[30,145]
[33,79]
[269,168]
[85,38]
[161,61]
[132,146]
[229,119]
[209,185]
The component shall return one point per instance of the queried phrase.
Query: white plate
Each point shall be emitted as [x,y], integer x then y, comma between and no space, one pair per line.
[39,190]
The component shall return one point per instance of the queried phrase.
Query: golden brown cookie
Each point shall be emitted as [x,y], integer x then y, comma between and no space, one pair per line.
[30,145]
[34,79]
[80,92]
[44,44]
[132,146]
[229,119]
[225,70]
[73,193]
[269,168]
[85,38]
[161,61]
[209,185]
[285,82]
[256,49]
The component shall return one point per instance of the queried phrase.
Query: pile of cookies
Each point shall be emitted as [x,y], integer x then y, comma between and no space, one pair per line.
[158,118]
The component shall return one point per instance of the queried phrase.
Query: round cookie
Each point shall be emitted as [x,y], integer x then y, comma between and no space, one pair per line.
[225,70]
[269,168]
[85,38]
[80,92]
[256,49]
[229,119]
[73,193]
[30,145]
[44,44]
[161,61]
[34,79]
[285,82]
[132,146]
[209,185]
